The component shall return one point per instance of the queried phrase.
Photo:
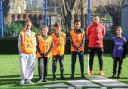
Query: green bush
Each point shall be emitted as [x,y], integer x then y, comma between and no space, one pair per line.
[13,30]
[35,29]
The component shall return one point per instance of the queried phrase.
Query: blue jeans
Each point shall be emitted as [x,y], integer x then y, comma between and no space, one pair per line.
[42,67]
[61,62]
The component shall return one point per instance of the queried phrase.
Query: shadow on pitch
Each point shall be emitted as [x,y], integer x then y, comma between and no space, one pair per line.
[14,80]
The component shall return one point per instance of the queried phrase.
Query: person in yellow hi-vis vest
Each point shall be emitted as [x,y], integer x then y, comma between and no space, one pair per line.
[27,51]
[77,47]
[59,40]
[44,46]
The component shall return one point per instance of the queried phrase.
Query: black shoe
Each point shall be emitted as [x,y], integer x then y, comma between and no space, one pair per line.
[82,76]
[45,80]
[62,77]
[72,76]
[113,76]
[118,76]
[54,77]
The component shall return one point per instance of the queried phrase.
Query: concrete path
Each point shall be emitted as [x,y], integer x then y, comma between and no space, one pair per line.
[106,82]
[97,82]
[82,83]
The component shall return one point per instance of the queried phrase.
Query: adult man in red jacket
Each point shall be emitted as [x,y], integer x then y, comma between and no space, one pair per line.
[95,34]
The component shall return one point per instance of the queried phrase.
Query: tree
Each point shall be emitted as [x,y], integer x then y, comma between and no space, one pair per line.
[14,29]
[67,9]
[6,7]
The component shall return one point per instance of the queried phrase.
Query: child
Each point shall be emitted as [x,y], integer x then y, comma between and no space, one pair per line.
[77,47]
[27,51]
[59,40]
[119,51]
[44,46]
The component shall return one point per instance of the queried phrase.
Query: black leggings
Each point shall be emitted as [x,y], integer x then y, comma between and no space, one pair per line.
[73,61]
[117,61]
[99,52]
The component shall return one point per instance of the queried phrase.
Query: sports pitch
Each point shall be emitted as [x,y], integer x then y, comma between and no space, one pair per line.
[10,73]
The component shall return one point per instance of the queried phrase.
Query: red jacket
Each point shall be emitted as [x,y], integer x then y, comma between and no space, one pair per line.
[95,34]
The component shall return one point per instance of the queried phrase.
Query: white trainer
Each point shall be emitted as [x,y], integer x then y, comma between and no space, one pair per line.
[22,82]
[29,82]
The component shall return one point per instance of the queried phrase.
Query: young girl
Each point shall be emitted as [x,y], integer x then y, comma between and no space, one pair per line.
[27,51]
[44,46]
[119,51]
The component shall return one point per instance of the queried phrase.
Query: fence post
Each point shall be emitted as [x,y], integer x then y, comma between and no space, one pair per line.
[45,12]
[89,12]
[1,19]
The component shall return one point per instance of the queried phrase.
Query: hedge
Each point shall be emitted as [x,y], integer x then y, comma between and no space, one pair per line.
[9,46]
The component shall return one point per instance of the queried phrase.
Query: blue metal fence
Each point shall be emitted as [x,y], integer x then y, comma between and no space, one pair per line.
[1,18]
[124,20]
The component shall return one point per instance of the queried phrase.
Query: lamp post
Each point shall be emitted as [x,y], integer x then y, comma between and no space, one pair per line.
[89,21]
[1,19]
[89,12]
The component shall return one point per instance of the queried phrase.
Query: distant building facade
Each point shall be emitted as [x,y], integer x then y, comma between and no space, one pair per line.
[16,9]
[19,10]
[34,9]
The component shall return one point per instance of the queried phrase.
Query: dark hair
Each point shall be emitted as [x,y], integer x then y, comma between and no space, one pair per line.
[28,20]
[115,29]
[95,16]
[76,20]
[118,27]
[44,27]
[56,25]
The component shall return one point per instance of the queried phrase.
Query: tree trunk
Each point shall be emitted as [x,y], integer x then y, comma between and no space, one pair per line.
[5,7]
[67,7]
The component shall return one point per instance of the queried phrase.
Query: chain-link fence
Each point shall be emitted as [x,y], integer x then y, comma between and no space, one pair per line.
[108,11]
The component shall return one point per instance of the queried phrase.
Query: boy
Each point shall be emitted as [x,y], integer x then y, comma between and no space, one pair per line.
[44,46]
[59,40]
[77,47]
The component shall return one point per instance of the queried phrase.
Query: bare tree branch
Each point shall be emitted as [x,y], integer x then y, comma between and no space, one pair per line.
[68,10]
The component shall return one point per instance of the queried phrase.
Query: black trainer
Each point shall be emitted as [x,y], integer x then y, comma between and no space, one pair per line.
[118,76]
[72,76]
[44,80]
[54,77]
[113,76]
[82,76]
[62,77]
